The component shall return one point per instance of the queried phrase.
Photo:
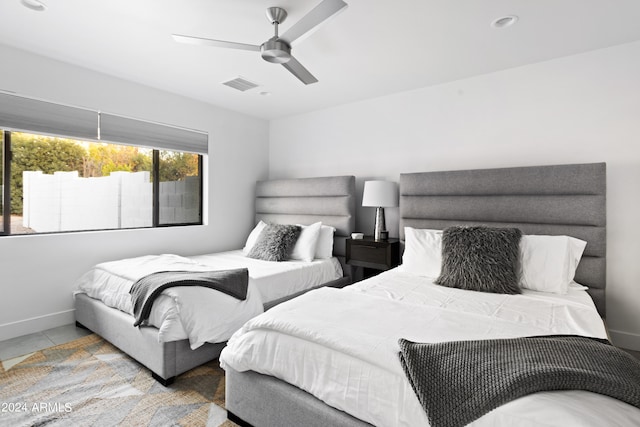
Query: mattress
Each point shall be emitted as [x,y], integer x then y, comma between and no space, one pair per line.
[199,314]
[342,347]
[275,280]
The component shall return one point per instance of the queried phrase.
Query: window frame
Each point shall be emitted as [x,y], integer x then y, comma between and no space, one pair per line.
[156,193]
[6,183]
[155,173]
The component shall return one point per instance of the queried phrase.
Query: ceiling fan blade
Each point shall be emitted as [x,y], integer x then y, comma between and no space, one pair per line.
[313,19]
[299,71]
[215,43]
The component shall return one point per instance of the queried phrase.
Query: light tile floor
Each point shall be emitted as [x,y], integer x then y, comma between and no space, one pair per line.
[14,350]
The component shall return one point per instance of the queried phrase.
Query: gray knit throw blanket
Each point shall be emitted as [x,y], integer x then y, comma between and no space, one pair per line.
[458,382]
[146,289]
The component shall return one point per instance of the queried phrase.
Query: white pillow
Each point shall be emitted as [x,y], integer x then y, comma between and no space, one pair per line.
[422,252]
[324,248]
[253,237]
[305,248]
[549,262]
[575,286]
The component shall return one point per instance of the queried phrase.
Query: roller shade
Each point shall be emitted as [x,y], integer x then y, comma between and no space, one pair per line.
[32,115]
[129,131]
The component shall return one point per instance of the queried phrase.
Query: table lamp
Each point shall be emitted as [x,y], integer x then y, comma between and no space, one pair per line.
[380,195]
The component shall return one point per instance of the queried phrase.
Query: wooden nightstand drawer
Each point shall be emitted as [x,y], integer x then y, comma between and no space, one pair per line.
[369,253]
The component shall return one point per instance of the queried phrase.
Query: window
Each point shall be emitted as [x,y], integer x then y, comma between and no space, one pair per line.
[2,160]
[180,187]
[59,183]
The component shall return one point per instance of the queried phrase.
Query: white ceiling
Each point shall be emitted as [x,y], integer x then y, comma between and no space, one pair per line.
[372,48]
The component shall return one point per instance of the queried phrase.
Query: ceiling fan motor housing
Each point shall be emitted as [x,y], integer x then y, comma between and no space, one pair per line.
[276,51]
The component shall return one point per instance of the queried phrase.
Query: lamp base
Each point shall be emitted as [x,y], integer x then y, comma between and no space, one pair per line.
[380,225]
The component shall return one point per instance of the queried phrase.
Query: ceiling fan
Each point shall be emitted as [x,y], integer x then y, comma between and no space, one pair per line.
[278,48]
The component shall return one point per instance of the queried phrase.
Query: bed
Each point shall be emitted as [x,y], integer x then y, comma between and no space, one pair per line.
[164,348]
[286,368]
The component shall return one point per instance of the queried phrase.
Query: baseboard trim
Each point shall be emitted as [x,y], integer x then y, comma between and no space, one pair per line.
[36,324]
[625,339]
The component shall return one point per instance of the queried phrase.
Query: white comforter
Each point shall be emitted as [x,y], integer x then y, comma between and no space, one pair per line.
[342,347]
[199,314]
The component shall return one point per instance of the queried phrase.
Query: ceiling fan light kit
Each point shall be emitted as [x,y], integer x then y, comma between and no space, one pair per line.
[277,49]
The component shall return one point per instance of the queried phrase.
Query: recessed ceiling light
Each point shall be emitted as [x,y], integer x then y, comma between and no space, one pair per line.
[36,5]
[504,21]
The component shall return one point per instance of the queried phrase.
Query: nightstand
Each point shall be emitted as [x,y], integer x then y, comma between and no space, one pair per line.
[373,255]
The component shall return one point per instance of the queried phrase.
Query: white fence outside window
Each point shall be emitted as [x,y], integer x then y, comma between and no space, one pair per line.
[66,202]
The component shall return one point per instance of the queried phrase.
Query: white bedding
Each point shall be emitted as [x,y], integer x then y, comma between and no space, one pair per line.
[275,280]
[341,346]
[198,313]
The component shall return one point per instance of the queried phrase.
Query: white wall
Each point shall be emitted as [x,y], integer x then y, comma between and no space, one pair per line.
[578,109]
[37,273]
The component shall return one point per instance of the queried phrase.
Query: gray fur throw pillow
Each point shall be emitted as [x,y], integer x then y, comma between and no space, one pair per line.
[481,259]
[275,242]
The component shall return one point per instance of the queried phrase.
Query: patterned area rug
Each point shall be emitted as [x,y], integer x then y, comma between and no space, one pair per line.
[89,382]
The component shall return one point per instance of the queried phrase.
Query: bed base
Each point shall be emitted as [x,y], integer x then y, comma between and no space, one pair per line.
[166,382]
[253,399]
[164,360]
[338,283]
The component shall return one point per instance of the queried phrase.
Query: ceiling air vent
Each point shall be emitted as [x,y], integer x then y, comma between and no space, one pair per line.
[240,84]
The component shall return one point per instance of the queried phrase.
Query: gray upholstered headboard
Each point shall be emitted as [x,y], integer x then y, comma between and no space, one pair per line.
[554,200]
[331,200]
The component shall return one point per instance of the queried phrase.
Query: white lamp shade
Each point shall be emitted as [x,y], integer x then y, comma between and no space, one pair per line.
[382,194]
